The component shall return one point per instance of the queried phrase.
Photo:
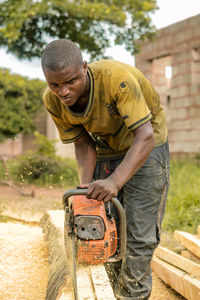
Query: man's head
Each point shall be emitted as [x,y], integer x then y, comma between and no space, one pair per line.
[61,54]
[65,71]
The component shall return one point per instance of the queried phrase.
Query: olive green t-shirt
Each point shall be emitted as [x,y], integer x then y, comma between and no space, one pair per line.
[121,99]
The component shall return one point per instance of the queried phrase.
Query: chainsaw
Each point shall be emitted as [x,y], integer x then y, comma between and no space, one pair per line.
[91,235]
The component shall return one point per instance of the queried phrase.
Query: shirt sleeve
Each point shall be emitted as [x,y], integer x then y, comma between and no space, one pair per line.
[131,103]
[68,133]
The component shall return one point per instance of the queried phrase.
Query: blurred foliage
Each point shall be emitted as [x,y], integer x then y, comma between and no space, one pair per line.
[183,209]
[20,100]
[42,170]
[27,25]
[42,166]
[46,147]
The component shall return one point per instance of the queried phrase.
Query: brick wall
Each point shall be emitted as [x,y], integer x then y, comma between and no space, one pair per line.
[11,147]
[22,143]
[177,46]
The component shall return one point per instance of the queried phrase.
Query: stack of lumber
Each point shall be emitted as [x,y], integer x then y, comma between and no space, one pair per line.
[181,272]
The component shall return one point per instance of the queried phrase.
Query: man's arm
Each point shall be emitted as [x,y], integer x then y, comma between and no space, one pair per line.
[137,154]
[85,152]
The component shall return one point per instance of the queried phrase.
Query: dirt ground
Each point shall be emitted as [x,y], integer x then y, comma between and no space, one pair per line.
[23,251]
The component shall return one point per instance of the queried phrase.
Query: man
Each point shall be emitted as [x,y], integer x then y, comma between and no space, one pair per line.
[114,117]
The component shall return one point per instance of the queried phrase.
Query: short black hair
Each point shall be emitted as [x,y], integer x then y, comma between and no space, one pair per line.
[60,54]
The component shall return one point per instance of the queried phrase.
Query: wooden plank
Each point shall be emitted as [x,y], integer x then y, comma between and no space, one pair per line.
[84,284]
[184,284]
[189,241]
[198,230]
[189,255]
[192,288]
[176,260]
[101,283]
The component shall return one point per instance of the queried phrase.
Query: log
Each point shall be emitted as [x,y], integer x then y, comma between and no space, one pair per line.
[177,260]
[189,241]
[184,284]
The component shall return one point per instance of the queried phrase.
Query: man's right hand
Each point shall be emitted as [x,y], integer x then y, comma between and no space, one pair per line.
[101,190]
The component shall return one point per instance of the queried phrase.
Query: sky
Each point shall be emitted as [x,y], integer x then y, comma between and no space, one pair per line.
[169,12]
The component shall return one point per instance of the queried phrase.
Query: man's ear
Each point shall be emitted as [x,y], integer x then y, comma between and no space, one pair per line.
[84,64]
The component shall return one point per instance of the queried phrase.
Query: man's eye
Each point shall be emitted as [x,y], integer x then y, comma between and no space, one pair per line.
[54,84]
[71,81]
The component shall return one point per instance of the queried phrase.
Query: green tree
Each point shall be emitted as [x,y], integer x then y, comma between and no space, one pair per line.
[20,100]
[27,25]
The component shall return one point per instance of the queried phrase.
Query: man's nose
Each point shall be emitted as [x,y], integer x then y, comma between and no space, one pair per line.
[64,91]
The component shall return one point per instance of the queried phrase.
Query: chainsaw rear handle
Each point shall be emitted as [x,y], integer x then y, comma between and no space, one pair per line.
[122,220]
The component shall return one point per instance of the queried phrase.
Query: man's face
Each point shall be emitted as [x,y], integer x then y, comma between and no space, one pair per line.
[69,83]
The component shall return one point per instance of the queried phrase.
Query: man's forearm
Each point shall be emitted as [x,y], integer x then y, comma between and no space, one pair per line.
[86,159]
[134,159]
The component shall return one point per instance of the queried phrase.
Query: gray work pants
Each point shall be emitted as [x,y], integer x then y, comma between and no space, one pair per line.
[143,198]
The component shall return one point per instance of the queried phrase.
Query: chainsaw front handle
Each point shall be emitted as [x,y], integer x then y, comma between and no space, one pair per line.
[122,220]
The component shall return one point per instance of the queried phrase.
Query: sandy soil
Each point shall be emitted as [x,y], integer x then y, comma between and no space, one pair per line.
[23,251]
[23,262]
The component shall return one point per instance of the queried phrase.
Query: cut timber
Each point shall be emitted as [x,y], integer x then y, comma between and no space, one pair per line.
[198,230]
[184,284]
[101,283]
[189,241]
[176,260]
[92,281]
[84,283]
[189,255]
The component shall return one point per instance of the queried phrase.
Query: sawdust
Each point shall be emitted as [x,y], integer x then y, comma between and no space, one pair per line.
[23,262]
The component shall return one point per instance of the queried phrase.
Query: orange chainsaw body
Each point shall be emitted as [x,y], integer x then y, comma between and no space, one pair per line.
[96,233]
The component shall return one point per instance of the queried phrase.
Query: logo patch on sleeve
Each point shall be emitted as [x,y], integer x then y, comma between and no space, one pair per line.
[124,87]
[112,109]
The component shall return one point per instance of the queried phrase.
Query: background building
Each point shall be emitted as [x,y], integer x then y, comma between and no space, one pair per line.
[172,63]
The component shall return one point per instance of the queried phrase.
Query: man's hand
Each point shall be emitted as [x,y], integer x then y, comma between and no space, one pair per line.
[101,190]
